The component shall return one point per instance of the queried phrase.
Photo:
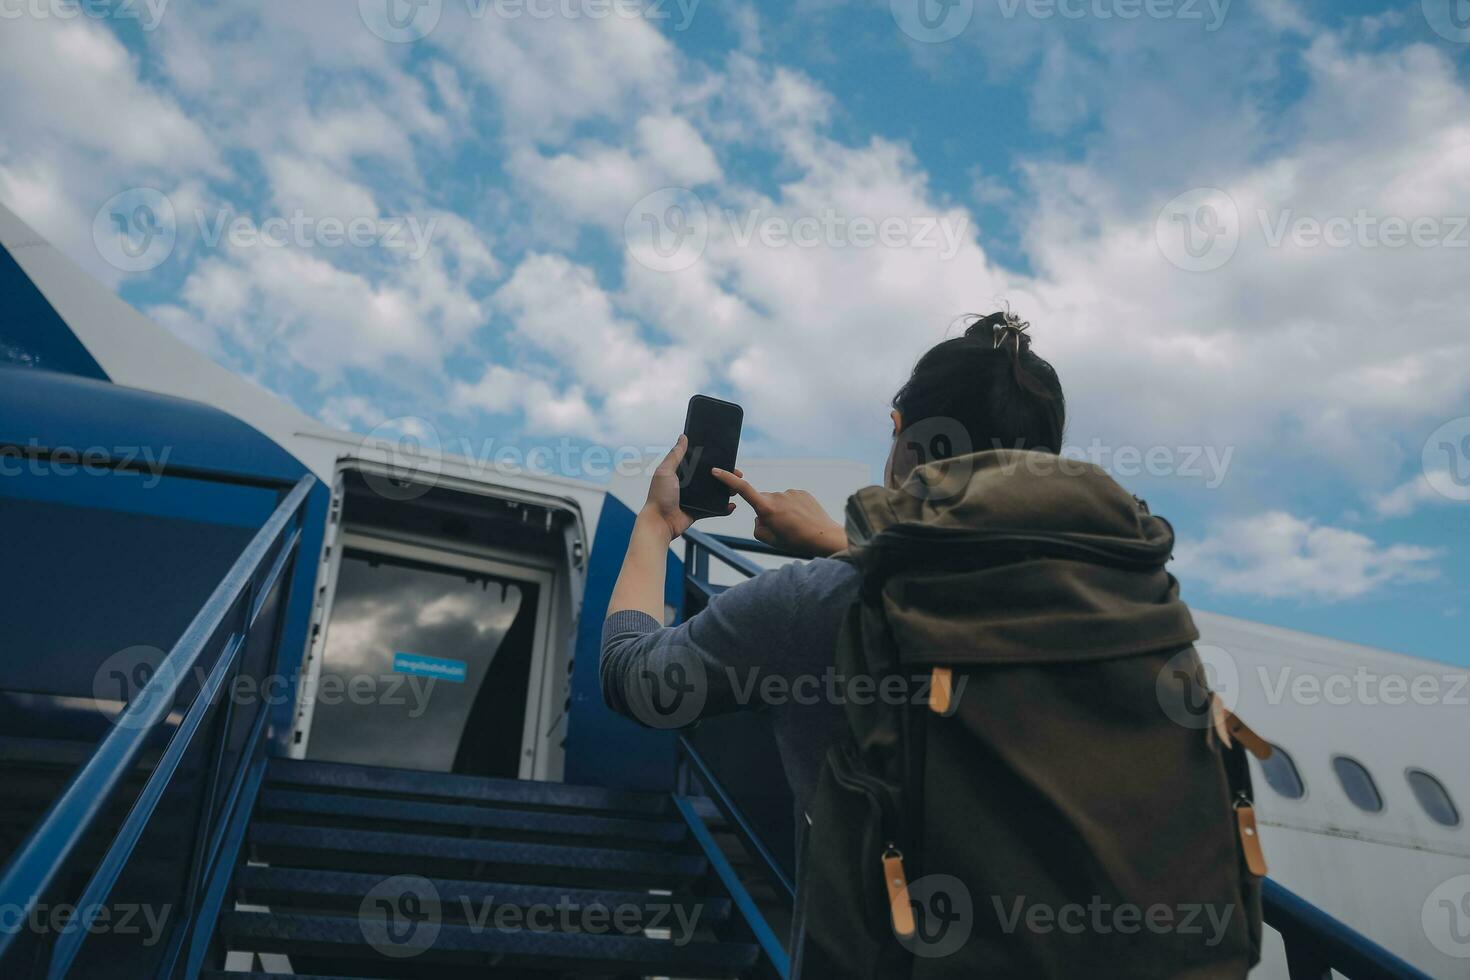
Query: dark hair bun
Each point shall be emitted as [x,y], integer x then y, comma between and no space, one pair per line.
[991,382]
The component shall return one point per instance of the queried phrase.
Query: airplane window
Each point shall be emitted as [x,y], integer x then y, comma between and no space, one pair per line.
[1357,784]
[1282,775]
[1434,798]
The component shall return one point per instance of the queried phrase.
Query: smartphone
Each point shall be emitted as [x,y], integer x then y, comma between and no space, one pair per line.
[713,428]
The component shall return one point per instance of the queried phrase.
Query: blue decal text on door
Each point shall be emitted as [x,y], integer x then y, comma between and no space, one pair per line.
[422,666]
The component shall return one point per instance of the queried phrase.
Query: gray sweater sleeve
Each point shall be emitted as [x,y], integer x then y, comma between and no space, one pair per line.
[779,623]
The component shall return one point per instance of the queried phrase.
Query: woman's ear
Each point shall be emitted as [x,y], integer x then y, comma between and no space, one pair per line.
[894,468]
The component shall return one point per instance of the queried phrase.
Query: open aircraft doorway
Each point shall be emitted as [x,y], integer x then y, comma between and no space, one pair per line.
[442,635]
[430,660]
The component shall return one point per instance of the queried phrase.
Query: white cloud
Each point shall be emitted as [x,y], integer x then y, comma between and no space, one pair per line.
[595,183]
[313,187]
[450,90]
[350,412]
[337,136]
[185,325]
[547,411]
[547,76]
[287,308]
[559,309]
[1276,555]
[1335,349]
[35,189]
[73,80]
[677,149]
[1407,498]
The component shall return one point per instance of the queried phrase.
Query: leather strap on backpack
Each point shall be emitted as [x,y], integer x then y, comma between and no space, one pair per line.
[1236,738]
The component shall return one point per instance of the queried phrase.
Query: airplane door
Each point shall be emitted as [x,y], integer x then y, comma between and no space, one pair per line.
[428,660]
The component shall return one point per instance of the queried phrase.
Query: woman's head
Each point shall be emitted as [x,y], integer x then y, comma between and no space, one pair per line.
[982,390]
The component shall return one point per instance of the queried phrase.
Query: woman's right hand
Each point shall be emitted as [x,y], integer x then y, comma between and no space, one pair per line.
[791,520]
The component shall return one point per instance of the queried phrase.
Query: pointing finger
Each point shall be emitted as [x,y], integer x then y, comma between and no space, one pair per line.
[741,486]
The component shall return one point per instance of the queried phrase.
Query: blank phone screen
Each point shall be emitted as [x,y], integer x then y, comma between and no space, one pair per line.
[713,428]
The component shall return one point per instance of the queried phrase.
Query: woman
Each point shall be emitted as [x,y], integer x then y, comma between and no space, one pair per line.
[1065,755]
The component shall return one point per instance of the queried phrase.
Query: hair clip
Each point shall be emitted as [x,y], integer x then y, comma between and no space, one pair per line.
[1010,325]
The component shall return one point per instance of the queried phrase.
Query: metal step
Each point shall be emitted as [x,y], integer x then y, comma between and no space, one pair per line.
[288,889]
[345,849]
[464,789]
[521,877]
[230,975]
[340,938]
[292,804]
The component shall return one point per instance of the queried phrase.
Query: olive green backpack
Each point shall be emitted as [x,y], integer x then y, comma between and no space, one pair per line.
[1047,789]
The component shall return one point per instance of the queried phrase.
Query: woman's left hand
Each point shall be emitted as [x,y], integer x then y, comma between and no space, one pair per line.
[663,493]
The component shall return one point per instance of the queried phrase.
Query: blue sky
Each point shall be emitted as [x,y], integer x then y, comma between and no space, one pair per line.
[1236,228]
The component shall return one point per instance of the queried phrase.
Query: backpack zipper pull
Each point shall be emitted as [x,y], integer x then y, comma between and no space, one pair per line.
[897,883]
[1250,836]
[941,690]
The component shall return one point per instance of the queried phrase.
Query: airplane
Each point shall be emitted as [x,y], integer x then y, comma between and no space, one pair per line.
[260,669]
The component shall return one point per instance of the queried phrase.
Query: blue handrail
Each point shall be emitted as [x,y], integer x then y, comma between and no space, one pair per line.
[731,811]
[770,945]
[34,870]
[1316,943]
